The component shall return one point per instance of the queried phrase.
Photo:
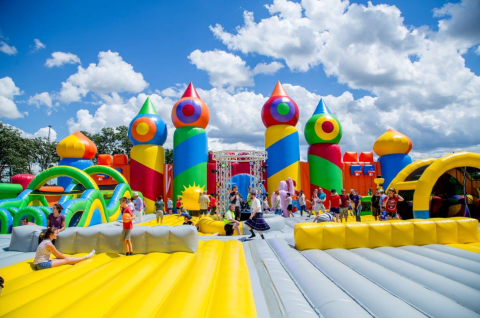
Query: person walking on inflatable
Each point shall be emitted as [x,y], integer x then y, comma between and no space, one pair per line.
[139,206]
[390,204]
[127,219]
[256,221]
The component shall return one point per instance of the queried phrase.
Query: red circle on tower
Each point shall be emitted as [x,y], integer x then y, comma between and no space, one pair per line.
[188,110]
[327,127]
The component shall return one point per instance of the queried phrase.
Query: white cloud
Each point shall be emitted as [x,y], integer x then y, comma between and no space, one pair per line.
[61,58]
[42,133]
[235,121]
[8,108]
[40,99]
[229,71]
[460,23]
[7,49]
[477,50]
[110,75]
[38,45]
[370,47]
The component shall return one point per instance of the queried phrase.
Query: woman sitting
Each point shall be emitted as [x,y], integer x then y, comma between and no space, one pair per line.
[45,248]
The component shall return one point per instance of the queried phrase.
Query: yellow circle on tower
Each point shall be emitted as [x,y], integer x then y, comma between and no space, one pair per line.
[327,121]
[142,128]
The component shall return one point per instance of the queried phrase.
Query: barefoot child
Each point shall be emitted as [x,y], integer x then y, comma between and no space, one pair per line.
[127,219]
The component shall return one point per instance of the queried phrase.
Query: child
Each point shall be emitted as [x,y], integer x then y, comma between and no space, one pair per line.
[265,206]
[127,219]
[179,205]
[289,201]
[213,204]
[335,201]
[159,207]
[170,206]
[187,220]
[130,205]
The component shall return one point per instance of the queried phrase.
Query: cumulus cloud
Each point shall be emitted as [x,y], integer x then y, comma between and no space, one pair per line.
[61,58]
[38,45]
[7,49]
[40,99]
[42,133]
[235,121]
[111,75]
[228,70]
[8,90]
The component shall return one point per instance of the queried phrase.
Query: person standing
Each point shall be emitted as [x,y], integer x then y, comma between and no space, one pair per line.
[56,219]
[390,204]
[170,206]
[335,202]
[357,204]
[229,222]
[139,207]
[213,205]
[369,192]
[289,202]
[178,205]
[323,197]
[127,219]
[344,205]
[277,203]
[130,204]
[203,201]
[375,203]
[256,221]
[302,203]
[159,207]
[265,206]
[235,199]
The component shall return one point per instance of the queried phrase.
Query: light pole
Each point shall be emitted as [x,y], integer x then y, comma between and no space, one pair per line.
[49,127]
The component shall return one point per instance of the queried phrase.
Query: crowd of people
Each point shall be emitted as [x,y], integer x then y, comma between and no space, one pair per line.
[342,205]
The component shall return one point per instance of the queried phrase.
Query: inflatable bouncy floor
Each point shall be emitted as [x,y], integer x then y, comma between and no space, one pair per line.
[414,268]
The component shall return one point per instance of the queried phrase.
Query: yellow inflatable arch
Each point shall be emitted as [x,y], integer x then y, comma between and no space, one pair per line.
[432,171]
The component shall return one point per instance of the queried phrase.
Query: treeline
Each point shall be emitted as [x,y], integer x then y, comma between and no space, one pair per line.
[21,155]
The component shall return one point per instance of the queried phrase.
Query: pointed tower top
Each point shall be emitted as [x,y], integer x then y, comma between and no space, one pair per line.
[148,108]
[278,90]
[322,108]
[190,92]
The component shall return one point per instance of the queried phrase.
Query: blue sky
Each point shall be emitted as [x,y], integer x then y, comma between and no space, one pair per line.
[157,37]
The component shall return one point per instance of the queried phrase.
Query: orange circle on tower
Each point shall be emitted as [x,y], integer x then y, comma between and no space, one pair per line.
[143,129]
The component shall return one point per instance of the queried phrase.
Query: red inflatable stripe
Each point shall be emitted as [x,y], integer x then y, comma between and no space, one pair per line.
[330,152]
[146,180]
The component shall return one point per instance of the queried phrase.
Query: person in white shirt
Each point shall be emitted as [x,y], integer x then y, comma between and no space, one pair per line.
[204,201]
[256,221]
[277,203]
[289,202]
[230,223]
[302,203]
[265,206]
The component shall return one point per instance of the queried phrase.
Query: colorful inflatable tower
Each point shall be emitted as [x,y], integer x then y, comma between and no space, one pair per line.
[190,115]
[323,133]
[148,133]
[75,151]
[280,115]
[392,148]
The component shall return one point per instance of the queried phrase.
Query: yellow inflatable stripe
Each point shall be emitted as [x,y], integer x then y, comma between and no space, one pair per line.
[150,156]
[103,298]
[189,298]
[154,290]
[77,288]
[46,285]
[277,132]
[29,278]
[466,247]
[17,270]
[232,285]
[70,147]
[292,171]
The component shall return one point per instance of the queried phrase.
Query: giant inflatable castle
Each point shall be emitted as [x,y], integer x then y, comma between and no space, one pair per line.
[90,193]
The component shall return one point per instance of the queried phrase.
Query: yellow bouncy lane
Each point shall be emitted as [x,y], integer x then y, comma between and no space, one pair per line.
[213,282]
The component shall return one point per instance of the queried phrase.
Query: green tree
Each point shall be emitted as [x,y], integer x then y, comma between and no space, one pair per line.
[14,153]
[124,145]
[43,152]
[168,155]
